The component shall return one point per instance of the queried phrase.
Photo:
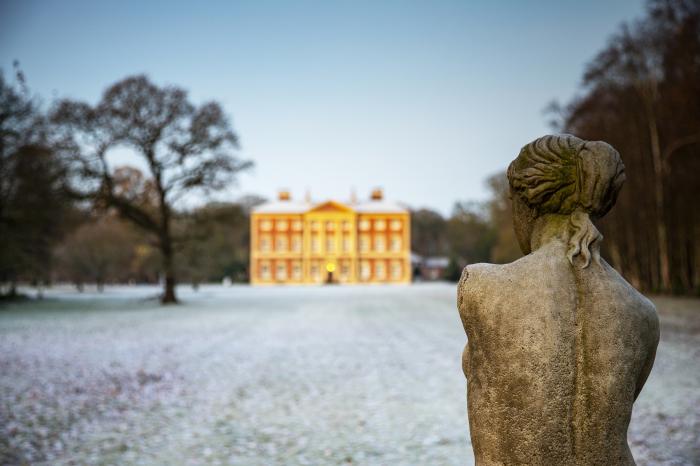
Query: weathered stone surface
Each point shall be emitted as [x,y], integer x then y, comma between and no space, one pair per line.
[559,344]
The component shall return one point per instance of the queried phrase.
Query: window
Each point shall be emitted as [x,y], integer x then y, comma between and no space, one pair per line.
[347,244]
[266,225]
[330,226]
[379,225]
[330,244]
[296,225]
[364,225]
[396,225]
[315,244]
[265,271]
[296,243]
[364,243]
[396,270]
[395,243]
[282,225]
[281,244]
[344,270]
[315,225]
[379,244]
[281,273]
[379,270]
[315,272]
[296,271]
[265,243]
[365,271]
[346,225]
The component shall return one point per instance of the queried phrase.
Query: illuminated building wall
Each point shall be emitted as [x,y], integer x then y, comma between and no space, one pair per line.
[357,242]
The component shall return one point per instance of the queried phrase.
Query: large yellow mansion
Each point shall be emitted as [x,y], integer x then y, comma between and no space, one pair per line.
[296,242]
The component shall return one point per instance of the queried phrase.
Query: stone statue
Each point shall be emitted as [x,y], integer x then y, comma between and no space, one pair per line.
[559,344]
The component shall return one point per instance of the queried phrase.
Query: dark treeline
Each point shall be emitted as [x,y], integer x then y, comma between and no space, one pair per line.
[641,94]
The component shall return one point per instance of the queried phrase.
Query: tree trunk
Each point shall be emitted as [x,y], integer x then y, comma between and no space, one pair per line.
[168,296]
[165,240]
[696,262]
[169,291]
[659,178]
[686,272]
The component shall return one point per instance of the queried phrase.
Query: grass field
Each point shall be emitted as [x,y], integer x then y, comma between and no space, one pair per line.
[278,376]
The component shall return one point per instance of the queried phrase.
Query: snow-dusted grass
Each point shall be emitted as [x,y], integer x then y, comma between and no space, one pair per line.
[277,376]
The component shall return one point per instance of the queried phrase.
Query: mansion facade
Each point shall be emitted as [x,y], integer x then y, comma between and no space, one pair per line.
[296,242]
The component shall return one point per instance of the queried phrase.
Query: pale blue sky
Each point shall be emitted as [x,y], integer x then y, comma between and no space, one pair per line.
[425,99]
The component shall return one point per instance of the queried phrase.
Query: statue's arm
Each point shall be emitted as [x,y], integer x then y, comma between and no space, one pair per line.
[465,299]
[653,322]
[465,304]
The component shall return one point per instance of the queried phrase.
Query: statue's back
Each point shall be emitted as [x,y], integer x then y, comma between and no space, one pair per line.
[553,365]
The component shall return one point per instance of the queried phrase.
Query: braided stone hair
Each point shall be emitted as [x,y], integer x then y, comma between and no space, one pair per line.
[563,174]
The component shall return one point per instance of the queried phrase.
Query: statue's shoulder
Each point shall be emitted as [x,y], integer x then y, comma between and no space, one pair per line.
[647,310]
[480,283]
[637,302]
[476,276]
[475,283]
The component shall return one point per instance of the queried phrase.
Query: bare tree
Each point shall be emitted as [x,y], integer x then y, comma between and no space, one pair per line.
[632,59]
[185,147]
[642,94]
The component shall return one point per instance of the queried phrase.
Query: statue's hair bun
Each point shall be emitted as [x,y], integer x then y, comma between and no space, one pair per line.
[566,175]
[562,173]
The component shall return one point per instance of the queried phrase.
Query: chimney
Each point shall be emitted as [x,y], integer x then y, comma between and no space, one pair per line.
[377,194]
[284,195]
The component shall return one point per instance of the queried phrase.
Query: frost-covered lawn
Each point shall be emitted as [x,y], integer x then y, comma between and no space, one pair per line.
[277,376]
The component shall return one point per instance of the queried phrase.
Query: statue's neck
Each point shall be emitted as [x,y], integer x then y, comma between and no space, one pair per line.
[550,229]
[574,236]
